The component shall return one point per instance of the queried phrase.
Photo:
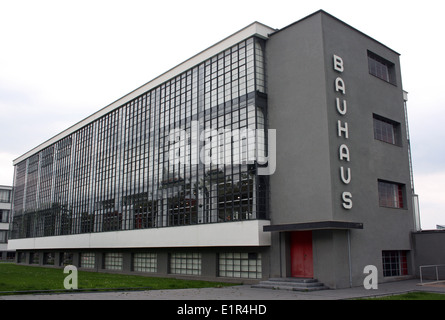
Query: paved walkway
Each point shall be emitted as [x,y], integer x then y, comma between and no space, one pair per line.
[244,292]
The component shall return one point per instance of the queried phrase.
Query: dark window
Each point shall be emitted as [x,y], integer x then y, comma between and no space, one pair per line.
[386,130]
[10,256]
[394,263]
[4,216]
[5,196]
[21,257]
[381,68]
[48,258]
[66,258]
[391,194]
[34,258]
[3,237]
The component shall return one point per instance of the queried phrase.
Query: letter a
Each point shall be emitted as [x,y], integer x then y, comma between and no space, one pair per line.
[340,85]
[70,281]
[371,281]
[344,153]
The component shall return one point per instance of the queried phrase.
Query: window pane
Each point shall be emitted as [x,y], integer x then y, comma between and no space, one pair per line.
[113,261]
[5,196]
[185,263]
[381,68]
[3,236]
[384,131]
[394,263]
[240,265]
[4,216]
[145,262]
[88,260]
[390,195]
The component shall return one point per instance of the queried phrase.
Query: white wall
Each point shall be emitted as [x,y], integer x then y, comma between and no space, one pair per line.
[244,233]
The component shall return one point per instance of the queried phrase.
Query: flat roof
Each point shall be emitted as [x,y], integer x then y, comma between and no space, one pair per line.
[254,29]
[337,19]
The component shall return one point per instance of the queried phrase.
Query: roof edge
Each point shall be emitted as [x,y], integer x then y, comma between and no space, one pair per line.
[321,11]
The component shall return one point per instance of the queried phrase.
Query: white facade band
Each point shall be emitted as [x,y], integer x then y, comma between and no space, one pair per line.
[243,233]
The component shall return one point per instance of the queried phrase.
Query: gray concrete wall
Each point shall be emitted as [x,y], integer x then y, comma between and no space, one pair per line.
[331,257]
[300,186]
[209,261]
[306,186]
[370,159]
[429,248]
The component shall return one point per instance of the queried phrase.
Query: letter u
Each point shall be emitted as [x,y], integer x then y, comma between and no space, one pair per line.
[345,180]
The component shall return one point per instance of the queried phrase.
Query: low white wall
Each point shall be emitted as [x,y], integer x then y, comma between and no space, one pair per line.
[243,233]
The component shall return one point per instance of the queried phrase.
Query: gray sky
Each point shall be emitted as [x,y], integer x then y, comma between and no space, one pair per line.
[61,61]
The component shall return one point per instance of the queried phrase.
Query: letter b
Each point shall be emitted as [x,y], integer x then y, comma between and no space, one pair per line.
[338,64]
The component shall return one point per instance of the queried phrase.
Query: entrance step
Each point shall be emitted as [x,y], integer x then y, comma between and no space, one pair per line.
[294,284]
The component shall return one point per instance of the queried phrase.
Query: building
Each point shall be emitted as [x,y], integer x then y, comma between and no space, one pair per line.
[429,255]
[273,153]
[5,215]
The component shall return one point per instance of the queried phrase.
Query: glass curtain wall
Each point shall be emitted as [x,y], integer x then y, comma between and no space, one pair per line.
[117,172]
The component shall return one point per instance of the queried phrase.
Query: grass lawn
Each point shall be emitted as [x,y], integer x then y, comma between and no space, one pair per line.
[26,278]
[414,296]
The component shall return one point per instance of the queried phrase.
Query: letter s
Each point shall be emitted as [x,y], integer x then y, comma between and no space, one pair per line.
[347,200]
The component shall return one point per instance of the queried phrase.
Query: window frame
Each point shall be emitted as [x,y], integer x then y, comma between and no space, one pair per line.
[5,195]
[395,263]
[5,215]
[88,260]
[185,263]
[398,200]
[113,261]
[243,265]
[396,139]
[3,236]
[375,65]
[146,262]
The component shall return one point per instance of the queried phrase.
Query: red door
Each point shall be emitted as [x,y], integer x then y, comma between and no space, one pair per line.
[301,254]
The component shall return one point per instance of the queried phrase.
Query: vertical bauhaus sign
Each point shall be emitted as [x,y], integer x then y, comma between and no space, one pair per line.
[344,155]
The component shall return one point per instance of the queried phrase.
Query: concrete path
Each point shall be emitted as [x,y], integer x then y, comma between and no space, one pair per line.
[244,292]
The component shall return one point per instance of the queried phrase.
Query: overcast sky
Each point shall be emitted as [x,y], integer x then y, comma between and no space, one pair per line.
[61,61]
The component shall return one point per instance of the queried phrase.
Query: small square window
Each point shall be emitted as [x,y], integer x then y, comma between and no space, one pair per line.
[394,263]
[381,68]
[391,195]
[48,258]
[88,260]
[113,261]
[387,130]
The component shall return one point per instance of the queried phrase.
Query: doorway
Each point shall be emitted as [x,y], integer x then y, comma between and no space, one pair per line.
[302,265]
